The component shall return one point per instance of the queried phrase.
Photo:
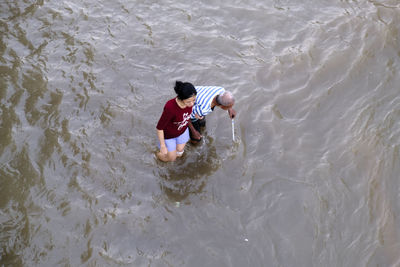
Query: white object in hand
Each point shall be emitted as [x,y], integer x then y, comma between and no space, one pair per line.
[233,129]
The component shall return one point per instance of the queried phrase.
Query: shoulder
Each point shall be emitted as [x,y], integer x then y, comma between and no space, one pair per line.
[170,103]
[209,89]
[170,107]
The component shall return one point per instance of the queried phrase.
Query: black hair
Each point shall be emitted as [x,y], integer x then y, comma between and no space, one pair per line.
[184,90]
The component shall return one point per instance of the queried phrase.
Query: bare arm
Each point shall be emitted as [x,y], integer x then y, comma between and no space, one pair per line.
[163,147]
[231,113]
[195,133]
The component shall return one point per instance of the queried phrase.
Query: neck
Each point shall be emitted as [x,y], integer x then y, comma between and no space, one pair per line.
[180,103]
[214,102]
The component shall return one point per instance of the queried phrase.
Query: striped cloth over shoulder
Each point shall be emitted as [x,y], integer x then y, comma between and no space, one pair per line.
[204,97]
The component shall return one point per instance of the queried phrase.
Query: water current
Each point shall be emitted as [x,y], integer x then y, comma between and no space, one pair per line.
[312,178]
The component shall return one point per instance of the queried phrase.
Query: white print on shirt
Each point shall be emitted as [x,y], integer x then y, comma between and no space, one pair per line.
[184,122]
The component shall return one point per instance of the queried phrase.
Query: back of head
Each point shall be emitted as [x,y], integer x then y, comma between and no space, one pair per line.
[184,90]
[226,99]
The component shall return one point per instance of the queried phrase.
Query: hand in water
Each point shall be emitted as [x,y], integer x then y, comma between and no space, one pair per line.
[196,135]
[163,150]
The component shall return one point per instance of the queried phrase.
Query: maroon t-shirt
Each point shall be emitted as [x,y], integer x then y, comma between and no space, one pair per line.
[174,120]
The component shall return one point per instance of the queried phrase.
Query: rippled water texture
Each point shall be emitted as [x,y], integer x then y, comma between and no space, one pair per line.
[311,180]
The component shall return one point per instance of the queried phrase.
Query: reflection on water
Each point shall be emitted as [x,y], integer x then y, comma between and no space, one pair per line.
[190,173]
[311,181]
[17,178]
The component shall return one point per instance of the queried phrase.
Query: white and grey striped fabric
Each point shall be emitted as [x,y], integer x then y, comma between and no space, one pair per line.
[205,95]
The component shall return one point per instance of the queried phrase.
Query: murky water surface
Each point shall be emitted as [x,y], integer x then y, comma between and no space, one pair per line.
[312,178]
